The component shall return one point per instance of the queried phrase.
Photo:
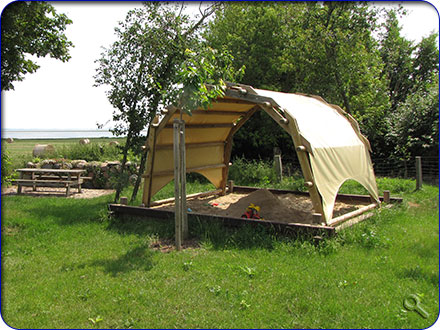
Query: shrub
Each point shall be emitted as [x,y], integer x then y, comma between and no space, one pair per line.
[245,172]
[6,172]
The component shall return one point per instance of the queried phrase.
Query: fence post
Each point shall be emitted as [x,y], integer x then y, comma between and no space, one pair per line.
[419,177]
[386,196]
[278,167]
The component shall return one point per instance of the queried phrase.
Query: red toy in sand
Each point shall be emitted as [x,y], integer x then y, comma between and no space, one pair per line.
[252,212]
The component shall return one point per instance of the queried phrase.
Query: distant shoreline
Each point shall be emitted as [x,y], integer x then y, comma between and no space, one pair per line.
[36,134]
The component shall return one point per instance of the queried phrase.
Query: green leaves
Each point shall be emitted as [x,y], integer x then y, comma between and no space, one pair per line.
[30,28]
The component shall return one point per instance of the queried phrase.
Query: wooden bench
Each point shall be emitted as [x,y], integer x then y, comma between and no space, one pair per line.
[50,178]
[48,183]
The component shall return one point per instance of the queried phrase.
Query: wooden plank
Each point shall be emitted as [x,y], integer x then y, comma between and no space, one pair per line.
[223,112]
[192,145]
[232,100]
[203,126]
[336,221]
[339,197]
[154,130]
[354,221]
[45,184]
[191,196]
[306,168]
[48,170]
[188,170]
[285,227]
[37,181]
[50,177]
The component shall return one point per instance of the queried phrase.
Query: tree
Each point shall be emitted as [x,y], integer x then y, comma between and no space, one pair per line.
[415,124]
[326,49]
[30,28]
[407,67]
[425,61]
[158,59]
[396,54]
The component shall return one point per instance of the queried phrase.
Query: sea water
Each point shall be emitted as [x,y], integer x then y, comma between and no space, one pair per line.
[54,134]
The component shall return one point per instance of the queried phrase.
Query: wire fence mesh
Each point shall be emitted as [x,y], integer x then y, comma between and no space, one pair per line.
[383,167]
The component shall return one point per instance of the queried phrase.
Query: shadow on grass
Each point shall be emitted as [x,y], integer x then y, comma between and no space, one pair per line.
[207,233]
[138,258]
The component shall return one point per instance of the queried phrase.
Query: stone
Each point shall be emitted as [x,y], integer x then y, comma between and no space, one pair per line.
[80,166]
[47,164]
[76,162]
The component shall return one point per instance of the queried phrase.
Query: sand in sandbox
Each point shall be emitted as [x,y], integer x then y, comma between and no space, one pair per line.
[271,207]
[286,208]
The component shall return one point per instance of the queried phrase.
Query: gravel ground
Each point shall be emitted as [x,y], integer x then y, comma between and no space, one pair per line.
[57,192]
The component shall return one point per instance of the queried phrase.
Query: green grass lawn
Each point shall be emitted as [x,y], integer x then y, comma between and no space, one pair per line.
[64,265]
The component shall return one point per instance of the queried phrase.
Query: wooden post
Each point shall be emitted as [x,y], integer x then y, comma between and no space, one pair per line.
[181,216]
[177,174]
[183,181]
[386,196]
[230,186]
[278,167]
[419,178]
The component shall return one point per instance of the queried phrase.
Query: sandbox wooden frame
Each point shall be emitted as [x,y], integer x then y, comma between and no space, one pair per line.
[295,226]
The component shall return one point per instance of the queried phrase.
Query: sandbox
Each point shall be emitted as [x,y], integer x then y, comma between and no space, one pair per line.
[281,209]
[287,208]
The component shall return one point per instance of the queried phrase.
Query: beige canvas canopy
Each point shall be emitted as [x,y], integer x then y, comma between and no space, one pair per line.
[327,140]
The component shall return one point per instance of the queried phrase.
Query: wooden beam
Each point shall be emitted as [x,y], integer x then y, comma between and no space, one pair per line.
[191,196]
[149,213]
[232,101]
[222,125]
[192,145]
[188,170]
[154,130]
[353,221]
[337,221]
[306,167]
[223,112]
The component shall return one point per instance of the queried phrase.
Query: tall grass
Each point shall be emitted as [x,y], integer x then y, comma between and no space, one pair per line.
[21,150]
[88,152]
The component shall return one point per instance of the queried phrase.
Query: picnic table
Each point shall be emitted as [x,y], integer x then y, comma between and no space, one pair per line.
[41,177]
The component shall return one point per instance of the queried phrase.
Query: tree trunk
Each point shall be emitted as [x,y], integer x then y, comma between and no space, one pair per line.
[120,185]
[139,176]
